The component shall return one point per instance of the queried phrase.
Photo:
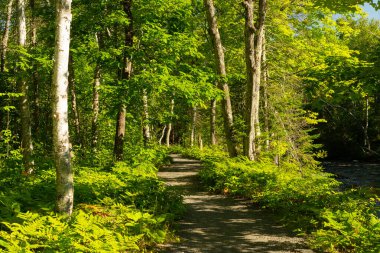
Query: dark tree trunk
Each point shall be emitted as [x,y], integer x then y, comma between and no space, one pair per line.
[23,86]
[126,75]
[213,122]
[72,87]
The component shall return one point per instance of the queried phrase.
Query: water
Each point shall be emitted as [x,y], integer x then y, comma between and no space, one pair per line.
[354,174]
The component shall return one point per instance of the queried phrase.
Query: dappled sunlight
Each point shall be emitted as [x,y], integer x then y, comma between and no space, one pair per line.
[216,223]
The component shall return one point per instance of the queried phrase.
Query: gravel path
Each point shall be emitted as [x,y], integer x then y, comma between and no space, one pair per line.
[215,223]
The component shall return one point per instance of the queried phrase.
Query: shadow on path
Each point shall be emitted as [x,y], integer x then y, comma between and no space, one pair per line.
[215,223]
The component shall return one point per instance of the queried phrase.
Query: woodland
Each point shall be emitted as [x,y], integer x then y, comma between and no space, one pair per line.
[95,95]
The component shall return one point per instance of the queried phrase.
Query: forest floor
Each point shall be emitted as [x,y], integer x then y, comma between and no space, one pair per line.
[217,223]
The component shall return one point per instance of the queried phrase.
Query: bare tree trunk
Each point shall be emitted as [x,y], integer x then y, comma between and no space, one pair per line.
[35,76]
[146,127]
[126,75]
[74,107]
[367,142]
[162,135]
[168,133]
[265,95]
[120,132]
[193,126]
[213,122]
[95,106]
[33,23]
[4,44]
[253,52]
[222,84]
[23,86]
[4,48]
[61,143]
[200,141]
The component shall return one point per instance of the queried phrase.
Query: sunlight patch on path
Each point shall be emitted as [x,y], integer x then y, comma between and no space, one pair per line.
[219,224]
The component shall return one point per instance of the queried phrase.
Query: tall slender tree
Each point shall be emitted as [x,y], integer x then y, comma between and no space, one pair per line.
[64,176]
[221,70]
[126,75]
[23,87]
[170,125]
[146,126]
[4,44]
[74,105]
[253,54]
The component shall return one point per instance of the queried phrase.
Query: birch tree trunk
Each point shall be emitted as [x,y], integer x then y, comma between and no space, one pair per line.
[169,132]
[367,142]
[64,177]
[193,126]
[35,76]
[4,44]
[265,95]
[23,86]
[162,135]
[253,54]
[146,127]
[95,106]
[213,122]
[221,70]
[126,75]
[4,48]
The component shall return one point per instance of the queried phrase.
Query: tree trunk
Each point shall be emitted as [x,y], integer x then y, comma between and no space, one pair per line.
[367,142]
[4,44]
[4,48]
[146,128]
[23,86]
[162,135]
[265,95]
[64,177]
[222,84]
[35,76]
[120,132]
[213,122]
[200,141]
[95,106]
[74,107]
[193,126]
[253,55]
[126,75]
[168,133]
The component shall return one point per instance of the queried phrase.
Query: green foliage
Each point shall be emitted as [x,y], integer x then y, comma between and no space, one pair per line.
[309,200]
[351,227]
[117,209]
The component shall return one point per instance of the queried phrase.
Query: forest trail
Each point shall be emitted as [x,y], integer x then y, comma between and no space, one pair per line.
[216,223]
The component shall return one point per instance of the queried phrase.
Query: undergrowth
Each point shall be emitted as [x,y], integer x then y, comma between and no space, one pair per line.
[120,208]
[308,199]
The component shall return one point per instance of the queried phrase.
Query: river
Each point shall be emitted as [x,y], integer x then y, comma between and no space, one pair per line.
[354,174]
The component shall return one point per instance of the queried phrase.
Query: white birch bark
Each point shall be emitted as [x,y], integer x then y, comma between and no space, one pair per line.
[168,133]
[193,126]
[146,126]
[4,44]
[64,177]
[95,106]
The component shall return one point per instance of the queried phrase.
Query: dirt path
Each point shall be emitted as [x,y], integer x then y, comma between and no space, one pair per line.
[215,223]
